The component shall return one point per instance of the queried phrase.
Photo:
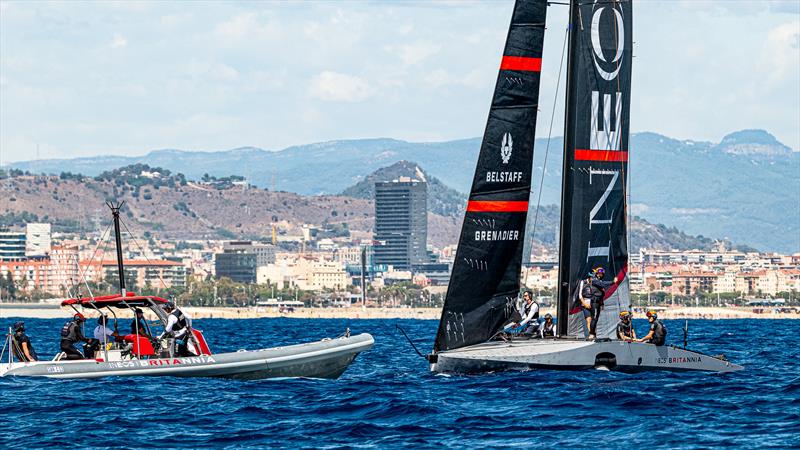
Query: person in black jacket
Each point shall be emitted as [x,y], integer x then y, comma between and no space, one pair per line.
[22,348]
[71,334]
[658,332]
[597,289]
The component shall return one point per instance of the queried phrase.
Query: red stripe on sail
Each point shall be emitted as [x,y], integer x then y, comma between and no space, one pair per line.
[601,155]
[620,276]
[521,63]
[496,206]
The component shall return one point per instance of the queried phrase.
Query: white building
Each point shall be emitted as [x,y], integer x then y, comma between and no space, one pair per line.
[37,239]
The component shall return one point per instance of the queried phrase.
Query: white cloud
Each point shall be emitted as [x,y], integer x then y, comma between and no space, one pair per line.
[339,87]
[212,71]
[118,41]
[475,78]
[413,54]
[781,52]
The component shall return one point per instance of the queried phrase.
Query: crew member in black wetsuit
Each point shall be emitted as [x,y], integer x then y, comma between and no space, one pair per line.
[597,287]
[625,331]
[22,348]
[658,332]
[548,329]
[137,324]
[71,334]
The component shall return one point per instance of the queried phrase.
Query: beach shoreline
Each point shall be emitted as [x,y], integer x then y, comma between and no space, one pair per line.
[40,311]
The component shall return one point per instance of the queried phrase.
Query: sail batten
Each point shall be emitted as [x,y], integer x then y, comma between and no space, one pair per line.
[485,278]
[596,137]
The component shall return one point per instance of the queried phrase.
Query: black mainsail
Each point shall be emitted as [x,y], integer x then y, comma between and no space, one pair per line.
[595,175]
[485,279]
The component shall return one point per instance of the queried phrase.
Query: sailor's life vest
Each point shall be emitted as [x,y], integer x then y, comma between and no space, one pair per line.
[548,330]
[659,333]
[182,323]
[68,331]
[624,329]
[527,309]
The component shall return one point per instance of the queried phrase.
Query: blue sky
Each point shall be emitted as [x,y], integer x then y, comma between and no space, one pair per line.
[79,79]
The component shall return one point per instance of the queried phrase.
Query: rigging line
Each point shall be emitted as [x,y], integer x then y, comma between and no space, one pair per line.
[549,135]
[410,341]
[133,237]
[82,274]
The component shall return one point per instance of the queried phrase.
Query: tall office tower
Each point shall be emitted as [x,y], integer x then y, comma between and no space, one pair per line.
[401,222]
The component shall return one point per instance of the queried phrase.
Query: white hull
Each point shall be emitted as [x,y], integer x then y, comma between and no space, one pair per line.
[572,354]
[322,359]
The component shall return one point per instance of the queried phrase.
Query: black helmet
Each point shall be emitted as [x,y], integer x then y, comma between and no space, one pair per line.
[169,305]
[102,320]
[548,316]
[19,326]
[137,311]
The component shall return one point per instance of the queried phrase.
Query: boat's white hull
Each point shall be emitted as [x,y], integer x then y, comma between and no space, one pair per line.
[572,354]
[322,359]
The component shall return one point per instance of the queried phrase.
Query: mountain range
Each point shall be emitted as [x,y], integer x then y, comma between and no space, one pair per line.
[746,188]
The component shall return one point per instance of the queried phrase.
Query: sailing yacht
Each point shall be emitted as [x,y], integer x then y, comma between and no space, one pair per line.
[485,283]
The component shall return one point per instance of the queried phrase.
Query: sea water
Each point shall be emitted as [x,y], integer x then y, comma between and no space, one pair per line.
[389,399]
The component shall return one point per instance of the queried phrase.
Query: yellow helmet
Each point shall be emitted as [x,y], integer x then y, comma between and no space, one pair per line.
[624,314]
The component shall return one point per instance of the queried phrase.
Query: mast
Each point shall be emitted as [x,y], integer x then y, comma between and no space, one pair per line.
[484,282]
[562,309]
[118,238]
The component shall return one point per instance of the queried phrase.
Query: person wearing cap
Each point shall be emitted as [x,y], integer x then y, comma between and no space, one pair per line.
[548,329]
[22,348]
[71,334]
[658,332]
[597,287]
[103,335]
[178,327]
[625,331]
[138,325]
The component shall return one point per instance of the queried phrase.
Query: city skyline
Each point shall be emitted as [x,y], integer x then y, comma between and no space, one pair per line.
[84,79]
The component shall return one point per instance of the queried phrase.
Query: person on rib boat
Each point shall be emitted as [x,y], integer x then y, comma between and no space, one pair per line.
[625,331]
[138,325]
[71,334]
[21,344]
[178,327]
[658,332]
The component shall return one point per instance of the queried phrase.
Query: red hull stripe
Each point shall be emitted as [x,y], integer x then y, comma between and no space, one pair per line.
[521,63]
[476,206]
[601,155]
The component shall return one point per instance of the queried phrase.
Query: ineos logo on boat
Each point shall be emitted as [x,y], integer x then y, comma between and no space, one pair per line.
[505,148]
[597,48]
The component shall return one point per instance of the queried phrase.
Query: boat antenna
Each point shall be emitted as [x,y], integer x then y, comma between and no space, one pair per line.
[685,334]
[115,212]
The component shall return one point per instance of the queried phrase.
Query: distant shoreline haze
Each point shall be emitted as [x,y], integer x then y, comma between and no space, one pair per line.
[743,189]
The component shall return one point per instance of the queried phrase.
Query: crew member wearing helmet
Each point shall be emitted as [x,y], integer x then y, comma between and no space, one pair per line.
[658,332]
[179,327]
[71,334]
[625,331]
[22,348]
[548,328]
[596,288]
